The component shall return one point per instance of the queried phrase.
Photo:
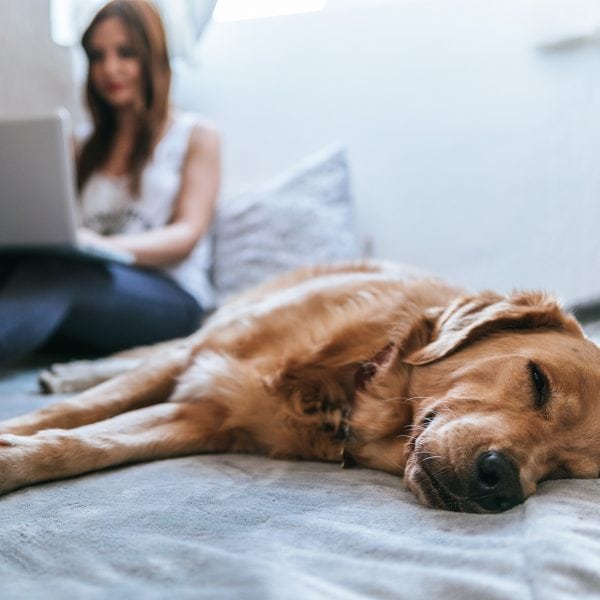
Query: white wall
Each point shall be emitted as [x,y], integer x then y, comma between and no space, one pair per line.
[35,73]
[474,153]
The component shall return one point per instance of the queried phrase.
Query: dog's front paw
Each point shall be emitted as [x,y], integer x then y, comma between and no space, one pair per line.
[10,462]
[5,440]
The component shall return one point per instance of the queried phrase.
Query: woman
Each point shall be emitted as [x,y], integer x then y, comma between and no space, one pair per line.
[148,178]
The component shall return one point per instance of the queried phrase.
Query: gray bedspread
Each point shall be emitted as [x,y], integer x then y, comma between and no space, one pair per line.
[247,527]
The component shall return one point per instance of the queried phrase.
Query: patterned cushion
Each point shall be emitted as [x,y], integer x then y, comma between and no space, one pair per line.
[299,218]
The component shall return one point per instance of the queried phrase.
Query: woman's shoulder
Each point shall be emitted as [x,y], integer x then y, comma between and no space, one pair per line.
[198,124]
[203,133]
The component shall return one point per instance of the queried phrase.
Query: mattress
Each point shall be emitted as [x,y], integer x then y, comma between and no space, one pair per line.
[245,527]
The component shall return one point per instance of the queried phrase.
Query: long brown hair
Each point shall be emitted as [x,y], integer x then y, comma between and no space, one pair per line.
[149,42]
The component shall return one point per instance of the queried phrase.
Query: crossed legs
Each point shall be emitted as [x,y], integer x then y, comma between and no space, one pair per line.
[104,307]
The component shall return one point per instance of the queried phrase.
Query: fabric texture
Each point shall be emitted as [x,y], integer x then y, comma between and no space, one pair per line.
[301,217]
[251,528]
[107,206]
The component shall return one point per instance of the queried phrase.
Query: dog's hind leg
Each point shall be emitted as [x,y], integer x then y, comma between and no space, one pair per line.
[150,383]
[166,430]
[79,375]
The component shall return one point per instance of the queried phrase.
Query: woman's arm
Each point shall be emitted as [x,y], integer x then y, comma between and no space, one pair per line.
[193,211]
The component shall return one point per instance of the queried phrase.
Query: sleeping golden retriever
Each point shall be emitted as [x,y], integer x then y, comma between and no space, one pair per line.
[474,399]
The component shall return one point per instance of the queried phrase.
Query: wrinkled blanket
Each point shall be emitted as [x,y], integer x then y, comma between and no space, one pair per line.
[247,527]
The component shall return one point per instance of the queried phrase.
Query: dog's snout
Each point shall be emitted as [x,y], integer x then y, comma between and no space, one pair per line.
[495,485]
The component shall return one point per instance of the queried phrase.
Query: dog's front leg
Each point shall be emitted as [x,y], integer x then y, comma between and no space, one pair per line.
[161,431]
[150,383]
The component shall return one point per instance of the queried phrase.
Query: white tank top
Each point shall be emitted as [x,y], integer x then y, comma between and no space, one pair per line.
[108,207]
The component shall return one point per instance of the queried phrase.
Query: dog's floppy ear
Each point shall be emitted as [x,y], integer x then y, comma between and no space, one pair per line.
[472,317]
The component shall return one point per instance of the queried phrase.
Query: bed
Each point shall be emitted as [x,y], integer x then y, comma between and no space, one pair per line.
[225,526]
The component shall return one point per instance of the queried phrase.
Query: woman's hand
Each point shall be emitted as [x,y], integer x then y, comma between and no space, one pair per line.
[91,239]
[87,237]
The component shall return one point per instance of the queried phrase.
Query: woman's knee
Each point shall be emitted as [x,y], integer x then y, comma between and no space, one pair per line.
[135,308]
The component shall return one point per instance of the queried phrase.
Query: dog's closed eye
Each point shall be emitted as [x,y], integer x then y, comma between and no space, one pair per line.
[539,384]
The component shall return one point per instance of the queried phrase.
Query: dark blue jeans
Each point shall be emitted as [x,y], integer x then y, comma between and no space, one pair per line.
[104,307]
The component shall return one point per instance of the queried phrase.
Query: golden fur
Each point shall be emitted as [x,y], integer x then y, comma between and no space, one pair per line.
[474,399]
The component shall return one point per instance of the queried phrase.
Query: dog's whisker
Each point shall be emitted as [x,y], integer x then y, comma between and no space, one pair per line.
[414,398]
[432,457]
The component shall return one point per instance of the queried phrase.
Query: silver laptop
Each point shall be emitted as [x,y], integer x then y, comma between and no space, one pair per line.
[38,210]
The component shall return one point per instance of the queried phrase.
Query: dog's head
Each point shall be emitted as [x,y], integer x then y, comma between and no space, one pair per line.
[507,394]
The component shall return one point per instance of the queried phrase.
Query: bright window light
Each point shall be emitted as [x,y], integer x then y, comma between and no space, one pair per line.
[240,10]
[68,19]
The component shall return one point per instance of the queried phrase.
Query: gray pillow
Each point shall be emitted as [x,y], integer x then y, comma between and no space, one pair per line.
[300,218]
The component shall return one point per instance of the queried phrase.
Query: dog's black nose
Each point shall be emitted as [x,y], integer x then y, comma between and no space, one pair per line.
[495,486]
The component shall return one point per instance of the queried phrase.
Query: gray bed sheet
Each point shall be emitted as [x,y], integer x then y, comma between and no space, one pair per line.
[245,527]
